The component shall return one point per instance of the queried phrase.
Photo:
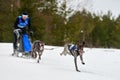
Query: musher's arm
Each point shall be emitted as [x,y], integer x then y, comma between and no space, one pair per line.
[16,23]
[29,25]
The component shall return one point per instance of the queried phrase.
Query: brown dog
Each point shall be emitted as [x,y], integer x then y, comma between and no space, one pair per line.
[38,48]
[75,51]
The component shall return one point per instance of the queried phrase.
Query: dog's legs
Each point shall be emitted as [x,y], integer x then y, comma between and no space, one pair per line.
[81,58]
[39,56]
[38,60]
[61,53]
[34,54]
[64,51]
[75,61]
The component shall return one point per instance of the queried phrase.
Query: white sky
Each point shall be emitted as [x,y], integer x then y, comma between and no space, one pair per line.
[105,5]
[96,6]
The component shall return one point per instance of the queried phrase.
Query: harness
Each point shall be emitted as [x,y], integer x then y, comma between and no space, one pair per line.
[78,49]
[73,47]
[22,23]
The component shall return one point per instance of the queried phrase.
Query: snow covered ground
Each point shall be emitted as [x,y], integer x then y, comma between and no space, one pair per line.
[101,64]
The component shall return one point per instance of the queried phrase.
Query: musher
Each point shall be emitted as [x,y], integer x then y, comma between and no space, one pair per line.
[22,25]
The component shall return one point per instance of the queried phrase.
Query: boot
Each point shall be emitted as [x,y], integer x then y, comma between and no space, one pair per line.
[14,52]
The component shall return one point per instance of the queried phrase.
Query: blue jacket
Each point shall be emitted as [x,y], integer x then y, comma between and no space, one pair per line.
[24,25]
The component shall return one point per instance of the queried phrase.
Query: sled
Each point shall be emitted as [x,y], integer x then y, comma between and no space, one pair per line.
[26,44]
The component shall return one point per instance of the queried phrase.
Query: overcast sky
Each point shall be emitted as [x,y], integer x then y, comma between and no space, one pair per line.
[105,5]
[96,6]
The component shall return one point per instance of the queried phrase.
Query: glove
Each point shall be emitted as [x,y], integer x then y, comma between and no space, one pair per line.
[31,33]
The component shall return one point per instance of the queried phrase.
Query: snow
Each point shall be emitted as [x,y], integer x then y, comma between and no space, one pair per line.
[101,64]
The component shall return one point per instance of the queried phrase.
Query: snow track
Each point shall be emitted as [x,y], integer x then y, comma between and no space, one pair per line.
[101,64]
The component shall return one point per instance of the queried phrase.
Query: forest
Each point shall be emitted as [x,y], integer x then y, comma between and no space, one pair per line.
[52,25]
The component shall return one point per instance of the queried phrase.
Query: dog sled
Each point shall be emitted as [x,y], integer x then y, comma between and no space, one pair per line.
[24,45]
[28,49]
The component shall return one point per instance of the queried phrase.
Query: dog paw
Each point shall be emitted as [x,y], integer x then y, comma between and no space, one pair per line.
[37,61]
[78,70]
[60,54]
[83,63]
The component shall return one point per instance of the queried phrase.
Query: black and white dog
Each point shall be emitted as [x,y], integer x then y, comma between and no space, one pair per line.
[75,50]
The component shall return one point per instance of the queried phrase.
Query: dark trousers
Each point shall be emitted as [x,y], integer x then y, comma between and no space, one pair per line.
[14,41]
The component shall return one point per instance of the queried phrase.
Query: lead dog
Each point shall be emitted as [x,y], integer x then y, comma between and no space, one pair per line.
[75,50]
[38,48]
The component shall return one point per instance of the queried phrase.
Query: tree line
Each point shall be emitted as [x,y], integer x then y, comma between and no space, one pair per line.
[54,28]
